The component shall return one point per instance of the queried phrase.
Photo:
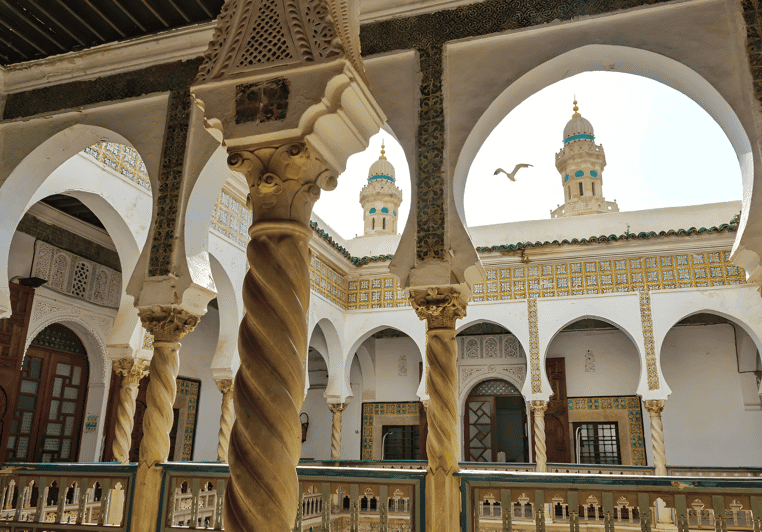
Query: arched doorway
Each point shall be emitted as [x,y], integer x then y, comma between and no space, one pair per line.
[50,403]
[496,423]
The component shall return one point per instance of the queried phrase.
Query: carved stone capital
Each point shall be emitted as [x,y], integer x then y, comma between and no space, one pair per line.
[539,406]
[225,385]
[284,181]
[440,307]
[131,369]
[337,408]
[167,323]
[654,406]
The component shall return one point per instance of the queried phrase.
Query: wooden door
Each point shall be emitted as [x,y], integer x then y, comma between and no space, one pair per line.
[479,424]
[47,422]
[557,414]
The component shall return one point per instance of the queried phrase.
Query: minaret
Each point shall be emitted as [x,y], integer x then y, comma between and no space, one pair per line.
[581,162]
[380,199]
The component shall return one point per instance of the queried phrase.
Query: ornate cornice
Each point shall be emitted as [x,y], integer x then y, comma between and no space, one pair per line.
[167,323]
[440,307]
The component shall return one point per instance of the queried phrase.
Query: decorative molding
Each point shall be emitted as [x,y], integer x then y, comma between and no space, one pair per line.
[534,347]
[167,323]
[648,339]
[440,307]
[76,276]
[499,346]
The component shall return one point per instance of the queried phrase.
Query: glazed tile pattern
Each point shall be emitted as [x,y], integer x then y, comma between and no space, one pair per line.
[634,418]
[626,274]
[428,33]
[327,282]
[648,339]
[370,410]
[534,346]
[375,292]
[121,159]
[191,389]
[231,218]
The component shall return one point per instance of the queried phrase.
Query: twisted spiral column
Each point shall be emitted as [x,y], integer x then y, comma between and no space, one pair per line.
[265,442]
[336,409]
[540,450]
[168,324]
[655,408]
[441,307]
[227,417]
[131,371]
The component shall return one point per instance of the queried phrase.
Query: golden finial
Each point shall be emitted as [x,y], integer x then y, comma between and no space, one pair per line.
[383,152]
[576,109]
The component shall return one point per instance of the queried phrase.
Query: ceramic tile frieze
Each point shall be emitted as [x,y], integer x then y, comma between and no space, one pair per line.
[648,339]
[534,346]
[631,406]
[624,274]
[427,33]
[170,183]
[122,159]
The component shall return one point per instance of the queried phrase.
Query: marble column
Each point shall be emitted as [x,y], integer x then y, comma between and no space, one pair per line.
[336,409]
[440,308]
[227,416]
[540,451]
[168,324]
[265,442]
[655,408]
[132,370]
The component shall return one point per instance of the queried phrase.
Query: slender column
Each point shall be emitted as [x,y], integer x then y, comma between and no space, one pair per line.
[131,371]
[441,307]
[226,419]
[540,451]
[265,441]
[655,407]
[336,409]
[168,325]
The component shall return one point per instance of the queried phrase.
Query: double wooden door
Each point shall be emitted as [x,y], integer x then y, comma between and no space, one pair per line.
[50,404]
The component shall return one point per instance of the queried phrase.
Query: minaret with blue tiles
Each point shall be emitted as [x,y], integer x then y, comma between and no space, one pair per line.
[581,162]
[380,198]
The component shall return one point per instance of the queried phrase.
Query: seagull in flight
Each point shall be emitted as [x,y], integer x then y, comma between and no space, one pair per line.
[512,174]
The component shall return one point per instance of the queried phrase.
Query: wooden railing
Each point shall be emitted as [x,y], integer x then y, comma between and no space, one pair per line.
[363,497]
[501,501]
[71,496]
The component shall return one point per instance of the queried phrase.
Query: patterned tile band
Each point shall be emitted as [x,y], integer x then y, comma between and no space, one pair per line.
[534,346]
[648,339]
[634,419]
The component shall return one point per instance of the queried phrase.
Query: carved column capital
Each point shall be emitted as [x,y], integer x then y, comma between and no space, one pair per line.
[131,369]
[167,323]
[654,406]
[225,385]
[539,406]
[337,408]
[440,307]
[284,181]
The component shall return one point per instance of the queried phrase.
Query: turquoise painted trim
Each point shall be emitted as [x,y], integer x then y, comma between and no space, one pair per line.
[161,518]
[381,176]
[566,178]
[579,173]
[478,478]
[394,212]
[65,468]
[197,467]
[593,173]
[607,466]
[581,136]
[361,472]
[385,210]
[130,502]
[372,211]
[465,508]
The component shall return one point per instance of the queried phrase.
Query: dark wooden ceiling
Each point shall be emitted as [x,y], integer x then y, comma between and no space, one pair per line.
[33,29]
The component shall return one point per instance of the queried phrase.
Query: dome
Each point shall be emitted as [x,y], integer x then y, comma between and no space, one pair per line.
[381,169]
[578,128]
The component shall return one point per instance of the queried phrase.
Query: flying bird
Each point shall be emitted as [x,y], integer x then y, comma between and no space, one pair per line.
[512,174]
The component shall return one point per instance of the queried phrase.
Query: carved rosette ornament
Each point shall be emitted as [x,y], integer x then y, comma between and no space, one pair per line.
[336,409]
[540,450]
[655,408]
[265,441]
[440,308]
[227,417]
[168,324]
[131,370]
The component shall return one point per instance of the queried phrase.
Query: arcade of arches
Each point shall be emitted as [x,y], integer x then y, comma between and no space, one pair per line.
[156,196]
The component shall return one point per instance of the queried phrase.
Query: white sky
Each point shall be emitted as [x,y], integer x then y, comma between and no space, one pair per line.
[661,148]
